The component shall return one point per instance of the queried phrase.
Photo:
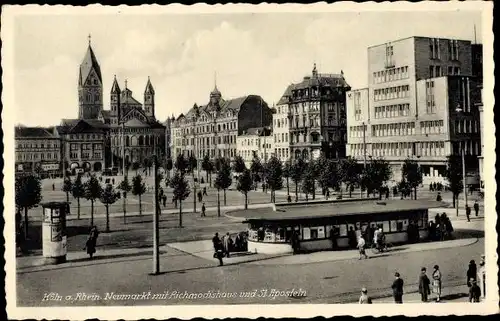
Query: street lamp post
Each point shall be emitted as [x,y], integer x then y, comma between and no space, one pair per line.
[156,212]
[364,157]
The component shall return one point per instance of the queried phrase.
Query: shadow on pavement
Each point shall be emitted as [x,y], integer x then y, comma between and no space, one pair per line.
[113,256]
[454,296]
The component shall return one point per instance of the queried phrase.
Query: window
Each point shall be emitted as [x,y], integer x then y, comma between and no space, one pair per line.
[389,55]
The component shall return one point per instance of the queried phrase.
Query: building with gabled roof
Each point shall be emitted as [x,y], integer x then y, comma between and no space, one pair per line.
[212,129]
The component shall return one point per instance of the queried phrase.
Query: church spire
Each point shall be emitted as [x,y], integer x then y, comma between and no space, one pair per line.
[315,71]
[149,87]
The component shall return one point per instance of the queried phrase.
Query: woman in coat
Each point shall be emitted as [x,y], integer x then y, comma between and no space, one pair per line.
[90,245]
[471,273]
[436,282]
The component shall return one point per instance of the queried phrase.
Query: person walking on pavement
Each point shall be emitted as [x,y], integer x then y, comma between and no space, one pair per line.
[364,298]
[90,245]
[205,191]
[397,288]
[476,208]
[362,247]
[200,196]
[164,200]
[474,292]
[203,209]
[467,212]
[218,248]
[54,188]
[471,272]
[436,282]
[424,285]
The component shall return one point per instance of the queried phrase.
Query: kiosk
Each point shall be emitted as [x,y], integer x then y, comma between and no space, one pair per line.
[333,224]
[54,232]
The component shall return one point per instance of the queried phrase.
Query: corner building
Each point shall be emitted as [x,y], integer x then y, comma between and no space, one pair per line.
[409,108]
[316,116]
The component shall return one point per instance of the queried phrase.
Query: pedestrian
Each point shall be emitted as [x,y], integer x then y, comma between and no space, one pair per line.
[474,291]
[397,288]
[203,208]
[438,197]
[364,298]
[481,276]
[91,243]
[476,208]
[164,200]
[333,238]
[227,242]
[54,188]
[289,198]
[205,191]
[424,285]
[467,212]
[362,247]
[351,235]
[327,194]
[471,272]
[295,242]
[113,181]
[218,248]
[436,282]
[200,196]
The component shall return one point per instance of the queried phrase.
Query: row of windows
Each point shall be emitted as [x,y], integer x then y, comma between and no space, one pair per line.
[429,97]
[392,93]
[36,145]
[427,149]
[85,155]
[183,131]
[282,109]
[86,136]
[280,122]
[390,75]
[357,131]
[389,56]
[83,147]
[432,127]
[283,138]
[301,138]
[36,156]
[392,111]
[282,153]
[396,129]
[435,49]
[283,234]
[312,106]
[466,126]
[437,71]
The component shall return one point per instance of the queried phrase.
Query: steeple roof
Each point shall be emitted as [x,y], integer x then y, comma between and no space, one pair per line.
[115,88]
[149,88]
[89,62]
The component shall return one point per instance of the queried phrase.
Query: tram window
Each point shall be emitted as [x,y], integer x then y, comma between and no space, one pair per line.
[306,233]
[373,224]
[385,226]
[351,226]
[420,223]
[399,226]
[343,230]
[328,230]
[394,226]
[314,233]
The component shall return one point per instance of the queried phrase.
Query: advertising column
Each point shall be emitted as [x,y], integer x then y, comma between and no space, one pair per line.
[54,232]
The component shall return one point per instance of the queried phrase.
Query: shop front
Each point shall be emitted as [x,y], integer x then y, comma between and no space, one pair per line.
[335,225]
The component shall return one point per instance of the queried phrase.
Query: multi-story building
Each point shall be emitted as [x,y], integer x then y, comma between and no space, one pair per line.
[37,147]
[316,115]
[281,130]
[255,142]
[84,142]
[104,138]
[212,129]
[409,110]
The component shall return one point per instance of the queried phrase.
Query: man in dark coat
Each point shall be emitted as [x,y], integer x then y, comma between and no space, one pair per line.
[424,285]
[467,212]
[218,248]
[476,208]
[397,289]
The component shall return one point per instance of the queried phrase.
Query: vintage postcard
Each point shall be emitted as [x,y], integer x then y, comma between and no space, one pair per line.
[249,160]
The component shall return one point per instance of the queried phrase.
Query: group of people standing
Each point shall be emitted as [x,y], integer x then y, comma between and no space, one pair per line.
[225,245]
[441,228]
[433,284]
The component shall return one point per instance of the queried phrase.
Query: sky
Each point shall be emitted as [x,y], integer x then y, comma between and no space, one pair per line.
[259,53]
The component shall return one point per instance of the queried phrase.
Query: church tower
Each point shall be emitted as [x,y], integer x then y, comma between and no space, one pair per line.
[215,95]
[89,86]
[115,102]
[149,99]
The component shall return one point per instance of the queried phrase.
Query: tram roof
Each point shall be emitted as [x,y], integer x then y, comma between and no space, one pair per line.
[334,209]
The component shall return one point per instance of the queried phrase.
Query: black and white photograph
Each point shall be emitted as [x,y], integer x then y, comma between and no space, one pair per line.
[249,160]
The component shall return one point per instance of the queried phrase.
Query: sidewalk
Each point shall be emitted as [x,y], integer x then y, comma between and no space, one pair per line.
[448,294]
[330,256]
